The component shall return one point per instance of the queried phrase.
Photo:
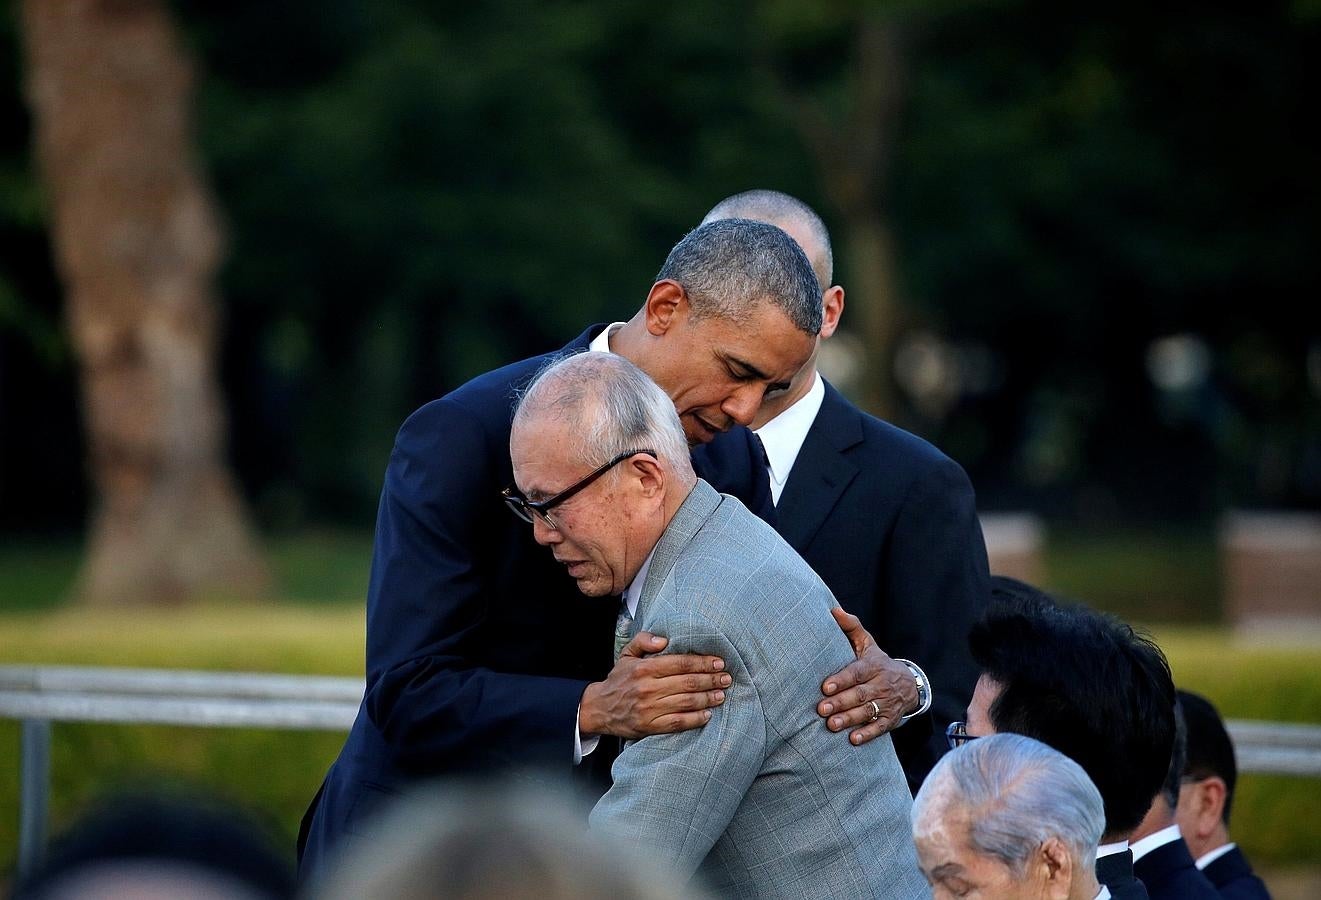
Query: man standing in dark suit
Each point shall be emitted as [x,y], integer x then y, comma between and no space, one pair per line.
[1087,685]
[1206,795]
[480,653]
[887,520]
[1160,856]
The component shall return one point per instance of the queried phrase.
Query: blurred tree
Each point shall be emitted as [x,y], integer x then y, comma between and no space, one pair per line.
[136,243]
[839,71]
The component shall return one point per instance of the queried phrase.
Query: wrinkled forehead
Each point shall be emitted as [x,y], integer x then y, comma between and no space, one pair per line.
[540,434]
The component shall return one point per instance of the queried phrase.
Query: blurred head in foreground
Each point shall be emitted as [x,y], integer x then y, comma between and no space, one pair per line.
[483,841]
[1008,817]
[145,847]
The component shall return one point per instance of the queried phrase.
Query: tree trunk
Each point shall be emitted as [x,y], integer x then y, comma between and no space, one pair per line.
[852,154]
[137,243]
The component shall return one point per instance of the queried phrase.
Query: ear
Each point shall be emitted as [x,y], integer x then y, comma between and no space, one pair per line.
[667,304]
[646,471]
[1056,868]
[1210,794]
[832,308]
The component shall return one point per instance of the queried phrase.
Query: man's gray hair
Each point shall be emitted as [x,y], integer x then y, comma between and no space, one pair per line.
[763,205]
[1016,792]
[729,267]
[611,406]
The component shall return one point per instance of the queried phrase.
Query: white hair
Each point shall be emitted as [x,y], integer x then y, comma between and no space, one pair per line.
[612,406]
[1017,793]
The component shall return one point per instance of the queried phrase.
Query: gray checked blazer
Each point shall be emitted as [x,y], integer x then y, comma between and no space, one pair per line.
[763,801]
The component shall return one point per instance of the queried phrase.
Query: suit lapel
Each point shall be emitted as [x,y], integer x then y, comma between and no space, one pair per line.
[822,471]
[692,514]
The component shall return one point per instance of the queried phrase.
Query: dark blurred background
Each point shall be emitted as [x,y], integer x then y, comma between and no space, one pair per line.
[1103,228]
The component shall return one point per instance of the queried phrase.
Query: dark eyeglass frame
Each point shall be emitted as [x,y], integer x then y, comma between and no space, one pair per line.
[525,509]
[957,734]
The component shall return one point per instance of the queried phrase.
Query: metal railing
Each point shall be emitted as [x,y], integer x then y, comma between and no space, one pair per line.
[40,695]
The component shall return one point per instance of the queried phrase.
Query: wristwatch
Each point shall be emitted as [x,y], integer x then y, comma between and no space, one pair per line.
[923,689]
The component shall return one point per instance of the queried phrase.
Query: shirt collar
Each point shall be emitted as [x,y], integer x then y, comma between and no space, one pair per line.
[1160,838]
[601,343]
[1111,848]
[1207,858]
[633,592]
[783,436]
[1103,893]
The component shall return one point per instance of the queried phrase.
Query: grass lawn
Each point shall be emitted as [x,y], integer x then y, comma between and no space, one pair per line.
[317,628]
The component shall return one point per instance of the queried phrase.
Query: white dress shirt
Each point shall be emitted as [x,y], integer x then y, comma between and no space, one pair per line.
[1111,848]
[1102,894]
[1159,839]
[601,343]
[1207,858]
[783,436]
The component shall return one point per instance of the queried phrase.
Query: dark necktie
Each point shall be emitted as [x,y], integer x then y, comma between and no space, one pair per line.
[623,628]
[735,463]
[761,501]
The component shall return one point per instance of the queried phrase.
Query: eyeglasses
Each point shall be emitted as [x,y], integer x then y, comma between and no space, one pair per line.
[957,734]
[525,509]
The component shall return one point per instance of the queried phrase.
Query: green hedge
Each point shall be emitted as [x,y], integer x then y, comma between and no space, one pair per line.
[1278,820]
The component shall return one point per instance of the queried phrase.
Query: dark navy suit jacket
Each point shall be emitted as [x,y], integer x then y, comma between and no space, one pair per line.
[890,524]
[1170,874]
[1233,877]
[479,646]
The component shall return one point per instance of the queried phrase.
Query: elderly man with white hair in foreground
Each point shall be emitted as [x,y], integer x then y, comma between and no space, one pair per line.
[764,801]
[1009,818]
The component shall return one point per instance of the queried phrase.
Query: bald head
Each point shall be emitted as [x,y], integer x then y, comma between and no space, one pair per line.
[789,214]
[607,405]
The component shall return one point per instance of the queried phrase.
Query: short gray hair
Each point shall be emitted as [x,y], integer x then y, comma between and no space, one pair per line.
[613,407]
[730,266]
[774,207]
[1017,792]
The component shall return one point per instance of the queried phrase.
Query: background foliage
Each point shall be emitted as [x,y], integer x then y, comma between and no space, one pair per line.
[417,191]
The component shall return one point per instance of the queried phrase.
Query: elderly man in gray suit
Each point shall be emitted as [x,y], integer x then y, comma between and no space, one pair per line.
[763,801]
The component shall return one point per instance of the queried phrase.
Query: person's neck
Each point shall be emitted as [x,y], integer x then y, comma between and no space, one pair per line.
[1159,816]
[1084,885]
[1200,846]
[630,341]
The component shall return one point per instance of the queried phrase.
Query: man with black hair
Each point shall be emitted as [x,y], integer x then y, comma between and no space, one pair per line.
[1210,774]
[1160,856]
[1087,685]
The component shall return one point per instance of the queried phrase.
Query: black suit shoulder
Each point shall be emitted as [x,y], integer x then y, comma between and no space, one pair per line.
[860,433]
[1170,874]
[1232,876]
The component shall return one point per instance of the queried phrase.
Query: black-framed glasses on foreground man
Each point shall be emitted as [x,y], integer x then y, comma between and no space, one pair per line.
[525,509]
[957,734]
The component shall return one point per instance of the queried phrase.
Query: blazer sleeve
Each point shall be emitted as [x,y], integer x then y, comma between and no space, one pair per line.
[429,591]
[675,794]
[936,584]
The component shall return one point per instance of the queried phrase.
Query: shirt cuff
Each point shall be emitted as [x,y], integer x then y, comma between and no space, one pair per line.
[582,747]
